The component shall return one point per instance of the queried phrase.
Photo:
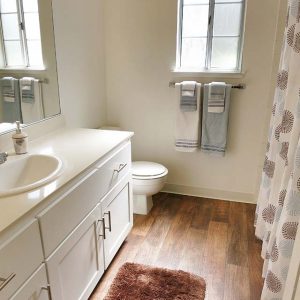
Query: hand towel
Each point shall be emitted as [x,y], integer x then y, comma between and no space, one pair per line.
[216,97]
[27,89]
[31,100]
[188,98]
[214,125]
[187,123]
[10,100]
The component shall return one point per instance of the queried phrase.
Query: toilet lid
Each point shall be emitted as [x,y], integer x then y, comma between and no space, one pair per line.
[147,169]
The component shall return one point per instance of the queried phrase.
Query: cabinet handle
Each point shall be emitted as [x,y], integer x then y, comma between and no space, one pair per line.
[47,288]
[5,281]
[103,228]
[109,221]
[121,167]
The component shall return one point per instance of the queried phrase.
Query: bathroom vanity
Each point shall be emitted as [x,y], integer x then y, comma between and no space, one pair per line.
[57,240]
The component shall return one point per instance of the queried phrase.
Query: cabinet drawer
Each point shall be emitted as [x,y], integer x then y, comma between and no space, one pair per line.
[113,170]
[58,220]
[35,288]
[19,258]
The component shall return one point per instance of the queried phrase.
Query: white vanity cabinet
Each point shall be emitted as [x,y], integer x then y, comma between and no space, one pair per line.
[78,247]
[68,243]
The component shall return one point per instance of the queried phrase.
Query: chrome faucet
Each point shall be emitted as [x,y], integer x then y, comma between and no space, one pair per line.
[3,157]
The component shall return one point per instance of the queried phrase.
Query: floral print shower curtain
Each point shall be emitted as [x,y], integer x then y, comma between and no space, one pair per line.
[278,208]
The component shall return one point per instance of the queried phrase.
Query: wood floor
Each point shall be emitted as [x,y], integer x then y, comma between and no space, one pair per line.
[211,238]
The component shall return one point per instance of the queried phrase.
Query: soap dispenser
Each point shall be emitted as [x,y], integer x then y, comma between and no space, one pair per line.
[20,140]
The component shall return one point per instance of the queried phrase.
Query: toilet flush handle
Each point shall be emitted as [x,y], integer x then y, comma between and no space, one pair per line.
[121,167]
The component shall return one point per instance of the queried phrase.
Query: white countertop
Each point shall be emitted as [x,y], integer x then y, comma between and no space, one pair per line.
[77,148]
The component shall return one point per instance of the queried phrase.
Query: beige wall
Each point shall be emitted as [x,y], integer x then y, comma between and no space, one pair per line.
[140,54]
[79,40]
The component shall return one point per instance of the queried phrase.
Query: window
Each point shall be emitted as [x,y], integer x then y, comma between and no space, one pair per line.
[210,35]
[20,34]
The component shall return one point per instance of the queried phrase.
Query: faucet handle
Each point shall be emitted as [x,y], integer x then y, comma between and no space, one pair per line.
[3,157]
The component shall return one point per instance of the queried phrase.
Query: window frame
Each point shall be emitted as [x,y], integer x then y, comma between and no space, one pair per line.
[23,42]
[207,68]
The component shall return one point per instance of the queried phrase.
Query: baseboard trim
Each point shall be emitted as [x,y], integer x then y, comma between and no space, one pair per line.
[209,193]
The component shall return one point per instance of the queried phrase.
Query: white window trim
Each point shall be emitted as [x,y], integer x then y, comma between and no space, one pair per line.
[207,74]
[207,71]
[21,68]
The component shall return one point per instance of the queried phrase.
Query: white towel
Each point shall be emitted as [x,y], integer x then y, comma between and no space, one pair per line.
[31,100]
[216,97]
[187,123]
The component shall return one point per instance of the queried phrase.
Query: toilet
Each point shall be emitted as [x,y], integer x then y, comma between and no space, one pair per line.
[148,178]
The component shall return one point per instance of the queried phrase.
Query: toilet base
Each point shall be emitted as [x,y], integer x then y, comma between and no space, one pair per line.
[142,204]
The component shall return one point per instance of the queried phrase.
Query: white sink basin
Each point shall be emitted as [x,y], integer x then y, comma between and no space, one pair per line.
[28,172]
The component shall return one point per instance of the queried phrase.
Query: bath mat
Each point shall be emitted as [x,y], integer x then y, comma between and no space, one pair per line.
[135,281]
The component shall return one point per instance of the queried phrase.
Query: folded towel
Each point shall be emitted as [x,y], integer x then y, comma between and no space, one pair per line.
[31,100]
[216,97]
[214,125]
[27,89]
[10,97]
[188,98]
[187,123]
[8,89]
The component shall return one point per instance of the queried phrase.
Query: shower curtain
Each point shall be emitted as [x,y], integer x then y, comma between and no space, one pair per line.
[278,208]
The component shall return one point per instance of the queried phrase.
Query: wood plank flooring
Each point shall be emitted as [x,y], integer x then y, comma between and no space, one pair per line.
[211,238]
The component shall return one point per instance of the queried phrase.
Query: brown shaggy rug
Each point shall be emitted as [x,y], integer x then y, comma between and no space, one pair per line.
[139,282]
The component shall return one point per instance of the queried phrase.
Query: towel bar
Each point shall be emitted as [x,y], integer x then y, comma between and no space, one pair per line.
[240,86]
[41,80]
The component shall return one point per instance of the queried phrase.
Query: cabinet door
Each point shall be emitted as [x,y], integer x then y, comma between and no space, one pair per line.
[35,288]
[77,264]
[118,222]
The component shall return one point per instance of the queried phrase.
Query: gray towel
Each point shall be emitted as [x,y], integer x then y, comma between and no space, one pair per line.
[27,90]
[188,96]
[10,97]
[214,125]
[216,97]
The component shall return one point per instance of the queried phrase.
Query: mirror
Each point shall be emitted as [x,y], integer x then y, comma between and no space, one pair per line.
[28,72]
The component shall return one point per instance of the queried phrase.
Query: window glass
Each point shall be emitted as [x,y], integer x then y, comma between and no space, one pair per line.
[8,6]
[224,53]
[32,25]
[10,27]
[30,6]
[210,45]
[192,2]
[227,19]
[35,53]
[14,55]
[195,21]
[22,44]
[228,1]
[193,52]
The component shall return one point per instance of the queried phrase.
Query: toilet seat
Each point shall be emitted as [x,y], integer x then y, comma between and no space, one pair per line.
[144,170]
